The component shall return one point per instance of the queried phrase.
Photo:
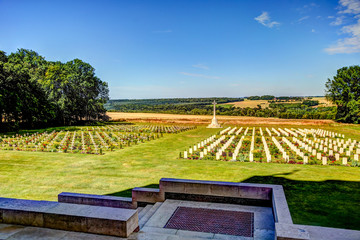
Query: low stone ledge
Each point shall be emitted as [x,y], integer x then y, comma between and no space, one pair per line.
[290,232]
[280,207]
[70,217]
[214,188]
[95,200]
[143,196]
[326,233]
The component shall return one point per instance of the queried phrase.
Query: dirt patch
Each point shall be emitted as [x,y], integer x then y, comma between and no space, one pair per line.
[206,119]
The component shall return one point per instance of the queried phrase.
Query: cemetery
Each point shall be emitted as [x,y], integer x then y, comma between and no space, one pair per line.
[251,206]
[277,145]
[180,120]
[87,140]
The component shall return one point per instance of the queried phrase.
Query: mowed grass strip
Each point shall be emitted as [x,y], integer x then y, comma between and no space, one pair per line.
[317,195]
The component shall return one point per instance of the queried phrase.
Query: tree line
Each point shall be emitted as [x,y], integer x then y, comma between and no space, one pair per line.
[294,110]
[39,93]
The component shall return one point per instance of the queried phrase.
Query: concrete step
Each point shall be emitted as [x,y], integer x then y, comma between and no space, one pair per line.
[149,214]
[145,210]
[139,209]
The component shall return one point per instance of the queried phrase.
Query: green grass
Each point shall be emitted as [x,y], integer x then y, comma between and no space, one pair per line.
[317,195]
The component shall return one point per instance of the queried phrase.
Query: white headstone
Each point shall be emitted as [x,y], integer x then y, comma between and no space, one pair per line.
[318,156]
[306,158]
[185,154]
[337,156]
[356,157]
[344,161]
[324,160]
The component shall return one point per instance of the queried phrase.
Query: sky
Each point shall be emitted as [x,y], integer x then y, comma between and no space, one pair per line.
[192,48]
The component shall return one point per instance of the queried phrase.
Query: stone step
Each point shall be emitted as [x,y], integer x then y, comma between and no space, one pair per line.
[139,209]
[145,210]
[70,217]
[149,214]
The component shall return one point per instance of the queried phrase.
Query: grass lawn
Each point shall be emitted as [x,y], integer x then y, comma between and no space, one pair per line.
[317,195]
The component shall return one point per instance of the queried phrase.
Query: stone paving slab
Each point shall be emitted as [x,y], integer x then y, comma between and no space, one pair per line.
[7,230]
[264,225]
[34,233]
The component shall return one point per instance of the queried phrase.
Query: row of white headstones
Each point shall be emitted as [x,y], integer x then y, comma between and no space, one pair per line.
[323,141]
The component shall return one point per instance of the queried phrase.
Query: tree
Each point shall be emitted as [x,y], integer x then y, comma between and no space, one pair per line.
[344,91]
[35,92]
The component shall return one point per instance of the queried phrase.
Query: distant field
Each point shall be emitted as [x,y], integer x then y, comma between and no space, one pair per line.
[265,103]
[250,103]
[323,102]
[205,119]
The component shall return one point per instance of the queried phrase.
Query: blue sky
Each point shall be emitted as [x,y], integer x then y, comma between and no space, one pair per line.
[159,49]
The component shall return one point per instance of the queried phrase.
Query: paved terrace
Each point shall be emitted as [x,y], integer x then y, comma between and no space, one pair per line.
[179,209]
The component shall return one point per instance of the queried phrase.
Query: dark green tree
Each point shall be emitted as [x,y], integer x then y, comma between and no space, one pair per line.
[344,91]
[35,92]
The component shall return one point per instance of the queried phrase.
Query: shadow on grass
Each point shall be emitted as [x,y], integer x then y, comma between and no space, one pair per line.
[127,192]
[330,203]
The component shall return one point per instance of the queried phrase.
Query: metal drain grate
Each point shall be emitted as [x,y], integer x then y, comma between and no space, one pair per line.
[212,221]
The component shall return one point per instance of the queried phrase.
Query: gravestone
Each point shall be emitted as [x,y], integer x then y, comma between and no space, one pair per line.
[324,160]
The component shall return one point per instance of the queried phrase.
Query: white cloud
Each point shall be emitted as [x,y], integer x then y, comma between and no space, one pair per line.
[331,17]
[313,30]
[338,21]
[351,6]
[307,7]
[302,19]
[265,20]
[199,75]
[202,66]
[351,43]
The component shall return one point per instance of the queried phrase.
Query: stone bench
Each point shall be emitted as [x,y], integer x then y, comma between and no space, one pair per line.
[213,191]
[95,200]
[69,217]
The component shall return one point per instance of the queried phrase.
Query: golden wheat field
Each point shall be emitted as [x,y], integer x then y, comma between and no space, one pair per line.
[323,102]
